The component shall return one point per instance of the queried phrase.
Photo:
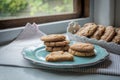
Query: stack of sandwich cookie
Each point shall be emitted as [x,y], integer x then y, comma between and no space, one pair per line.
[55,42]
[82,49]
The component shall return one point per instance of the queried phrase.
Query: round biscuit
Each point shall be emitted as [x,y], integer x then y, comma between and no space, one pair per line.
[76,53]
[82,47]
[49,49]
[53,37]
[56,44]
[62,48]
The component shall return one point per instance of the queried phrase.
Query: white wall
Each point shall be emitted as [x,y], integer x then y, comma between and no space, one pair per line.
[104,12]
[117,13]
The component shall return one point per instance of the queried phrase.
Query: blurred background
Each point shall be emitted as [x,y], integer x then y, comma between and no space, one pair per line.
[10,9]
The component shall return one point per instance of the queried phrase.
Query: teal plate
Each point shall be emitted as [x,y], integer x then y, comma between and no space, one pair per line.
[37,55]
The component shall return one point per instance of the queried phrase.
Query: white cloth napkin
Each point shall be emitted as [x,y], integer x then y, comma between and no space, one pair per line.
[10,55]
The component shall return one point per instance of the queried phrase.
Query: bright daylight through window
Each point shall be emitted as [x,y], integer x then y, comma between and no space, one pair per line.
[12,9]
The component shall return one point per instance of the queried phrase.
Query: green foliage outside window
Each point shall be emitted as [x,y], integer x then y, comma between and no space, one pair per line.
[11,7]
[33,7]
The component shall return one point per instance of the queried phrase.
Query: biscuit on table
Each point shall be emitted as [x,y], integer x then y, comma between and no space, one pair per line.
[81,53]
[87,30]
[99,32]
[53,37]
[59,43]
[61,48]
[82,47]
[59,56]
[108,34]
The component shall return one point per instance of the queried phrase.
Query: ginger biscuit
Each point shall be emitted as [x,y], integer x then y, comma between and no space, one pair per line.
[108,34]
[59,56]
[53,37]
[116,39]
[79,31]
[99,32]
[80,53]
[87,30]
[117,30]
[82,47]
[61,48]
[56,44]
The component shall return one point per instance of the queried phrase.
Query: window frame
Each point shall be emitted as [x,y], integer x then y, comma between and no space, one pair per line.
[81,9]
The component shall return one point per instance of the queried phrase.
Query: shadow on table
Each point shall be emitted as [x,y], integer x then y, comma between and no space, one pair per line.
[47,73]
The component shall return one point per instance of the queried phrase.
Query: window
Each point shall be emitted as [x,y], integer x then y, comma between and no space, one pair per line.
[15,13]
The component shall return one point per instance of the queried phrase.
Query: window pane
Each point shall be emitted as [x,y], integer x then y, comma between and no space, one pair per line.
[11,9]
